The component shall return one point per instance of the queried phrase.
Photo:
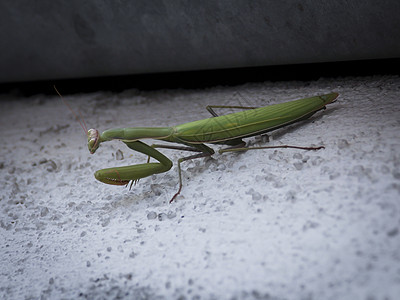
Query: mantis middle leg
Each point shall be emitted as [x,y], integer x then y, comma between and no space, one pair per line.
[204,152]
[211,111]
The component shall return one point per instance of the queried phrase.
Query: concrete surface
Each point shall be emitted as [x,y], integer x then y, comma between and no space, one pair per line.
[268,224]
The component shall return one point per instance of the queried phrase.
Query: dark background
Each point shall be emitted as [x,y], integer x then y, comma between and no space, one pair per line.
[107,45]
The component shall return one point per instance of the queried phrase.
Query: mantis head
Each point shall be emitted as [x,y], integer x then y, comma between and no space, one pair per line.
[93,140]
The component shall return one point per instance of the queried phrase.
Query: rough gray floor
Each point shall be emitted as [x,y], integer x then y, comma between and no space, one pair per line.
[268,224]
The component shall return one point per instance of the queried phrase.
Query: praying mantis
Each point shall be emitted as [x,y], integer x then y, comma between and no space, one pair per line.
[227,130]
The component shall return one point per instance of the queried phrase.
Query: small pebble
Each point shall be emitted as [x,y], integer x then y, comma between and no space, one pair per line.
[393,232]
[297,156]
[256,196]
[396,174]
[44,211]
[334,175]
[51,166]
[119,155]
[162,217]
[157,189]
[298,165]
[151,215]
[105,222]
[343,144]
[171,215]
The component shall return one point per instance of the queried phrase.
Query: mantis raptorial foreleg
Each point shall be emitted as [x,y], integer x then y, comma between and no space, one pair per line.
[123,175]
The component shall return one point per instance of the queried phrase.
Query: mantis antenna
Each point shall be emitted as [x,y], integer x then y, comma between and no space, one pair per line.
[79,118]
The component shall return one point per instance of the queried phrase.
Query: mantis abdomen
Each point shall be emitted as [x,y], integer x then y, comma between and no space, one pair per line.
[250,122]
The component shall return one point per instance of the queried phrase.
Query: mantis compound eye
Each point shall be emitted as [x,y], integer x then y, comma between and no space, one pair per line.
[93,140]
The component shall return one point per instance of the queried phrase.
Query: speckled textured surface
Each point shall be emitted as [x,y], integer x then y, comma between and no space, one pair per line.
[268,224]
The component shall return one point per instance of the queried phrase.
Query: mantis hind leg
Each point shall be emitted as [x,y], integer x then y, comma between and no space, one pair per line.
[214,114]
[237,149]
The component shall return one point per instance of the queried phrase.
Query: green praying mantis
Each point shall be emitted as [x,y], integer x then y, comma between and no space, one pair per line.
[227,130]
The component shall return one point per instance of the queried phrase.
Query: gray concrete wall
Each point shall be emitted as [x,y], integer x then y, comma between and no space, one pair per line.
[73,39]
